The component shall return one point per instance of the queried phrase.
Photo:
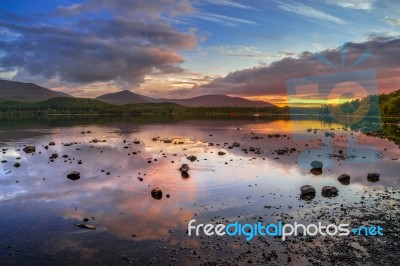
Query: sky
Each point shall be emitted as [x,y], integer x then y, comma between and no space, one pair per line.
[182,48]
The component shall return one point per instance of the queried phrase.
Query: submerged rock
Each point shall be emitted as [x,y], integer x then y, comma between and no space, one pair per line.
[373,177]
[317,164]
[191,158]
[74,176]
[156,193]
[329,191]
[307,192]
[86,226]
[184,168]
[29,149]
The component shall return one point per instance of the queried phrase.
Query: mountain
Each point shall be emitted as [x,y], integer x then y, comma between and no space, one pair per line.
[12,90]
[217,100]
[19,91]
[123,97]
[128,97]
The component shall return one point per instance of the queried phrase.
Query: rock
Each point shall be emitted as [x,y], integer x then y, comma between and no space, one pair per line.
[236,144]
[220,153]
[16,165]
[167,141]
[184,168]
[373,177]
[191,158]
[185,174]
[3,161]
[86,226]
[316,171]
[329,191]
[51,143]
[316,164]
[307,191]
[156,193]
[29,149]
[344,179]
[74,176]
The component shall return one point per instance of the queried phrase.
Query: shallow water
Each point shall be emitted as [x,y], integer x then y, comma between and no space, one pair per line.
[40,206]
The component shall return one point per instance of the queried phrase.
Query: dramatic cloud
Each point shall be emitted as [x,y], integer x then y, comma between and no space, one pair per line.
[133,39]
[271,80]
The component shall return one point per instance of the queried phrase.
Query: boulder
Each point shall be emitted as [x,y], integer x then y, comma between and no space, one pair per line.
[236,144]
[307,190]
[344,179]
[329,191]
[156,193]
[185,174]
[373,177]
[191,158]
[29,149]
[74,175]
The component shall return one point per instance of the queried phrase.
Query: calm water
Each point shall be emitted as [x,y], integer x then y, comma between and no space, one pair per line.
[122,162]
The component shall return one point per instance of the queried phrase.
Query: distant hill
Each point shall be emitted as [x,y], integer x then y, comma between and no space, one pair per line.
[19,91]
[29,92]
[219,101]
[128,97]
[122,97]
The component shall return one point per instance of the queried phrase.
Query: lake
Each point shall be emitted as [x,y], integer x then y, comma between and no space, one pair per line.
[246,171]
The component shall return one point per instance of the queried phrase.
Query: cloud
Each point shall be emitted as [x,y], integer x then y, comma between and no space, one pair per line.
[236,50]
[228,3]
[222,19]
[271,80]
[355,4]
[129,8]
[308,11]
[135,39]
[392,21]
